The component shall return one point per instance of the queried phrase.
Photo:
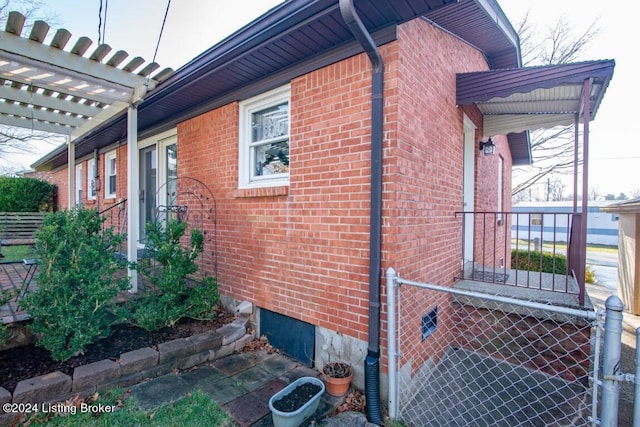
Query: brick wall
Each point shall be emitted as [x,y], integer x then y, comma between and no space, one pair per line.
[490,230]
[424,179]
[558,347]
[303,250]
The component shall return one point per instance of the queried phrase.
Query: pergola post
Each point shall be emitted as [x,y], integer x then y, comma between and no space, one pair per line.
[133,201]
[71,162]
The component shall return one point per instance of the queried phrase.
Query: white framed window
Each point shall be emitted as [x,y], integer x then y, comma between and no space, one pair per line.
[264,139]
[91,179]
[110,170]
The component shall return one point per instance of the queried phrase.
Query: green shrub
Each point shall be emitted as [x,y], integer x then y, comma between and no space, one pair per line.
[74,302]
[13,190]
[538,261]
[172,295]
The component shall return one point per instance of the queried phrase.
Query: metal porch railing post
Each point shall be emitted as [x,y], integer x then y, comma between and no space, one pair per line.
[611,365]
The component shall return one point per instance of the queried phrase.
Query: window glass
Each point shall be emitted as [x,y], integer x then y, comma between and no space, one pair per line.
[264,139]
[111,173]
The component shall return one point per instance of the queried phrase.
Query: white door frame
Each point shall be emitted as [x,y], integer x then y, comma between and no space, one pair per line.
[468,202]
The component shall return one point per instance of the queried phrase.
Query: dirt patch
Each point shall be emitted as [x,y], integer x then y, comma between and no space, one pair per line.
[30,361]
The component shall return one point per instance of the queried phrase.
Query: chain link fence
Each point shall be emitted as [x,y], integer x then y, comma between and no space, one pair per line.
[469,359]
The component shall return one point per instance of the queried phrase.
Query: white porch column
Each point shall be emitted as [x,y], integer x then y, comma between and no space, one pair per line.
[133,200]
[71,164]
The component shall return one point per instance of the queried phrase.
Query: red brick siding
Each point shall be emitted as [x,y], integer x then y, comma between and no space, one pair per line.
[424,176]
[302,252]
[488,230]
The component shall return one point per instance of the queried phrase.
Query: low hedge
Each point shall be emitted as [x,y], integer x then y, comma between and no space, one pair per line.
[26,195]
[538,261]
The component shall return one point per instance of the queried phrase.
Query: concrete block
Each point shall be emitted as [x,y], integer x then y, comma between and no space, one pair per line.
[232,332]
[206,341]
[193,360]
[172,351]
[242,341]
[43,388]
[94,374]
[138,360]
[225,350]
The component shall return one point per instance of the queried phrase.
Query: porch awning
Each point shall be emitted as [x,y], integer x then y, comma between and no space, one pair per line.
[517,100]
[49,89]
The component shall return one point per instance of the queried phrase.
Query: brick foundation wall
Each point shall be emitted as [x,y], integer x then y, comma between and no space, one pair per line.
[559,348]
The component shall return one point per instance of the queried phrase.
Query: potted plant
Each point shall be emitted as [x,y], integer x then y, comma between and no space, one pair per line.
[337,377]
[296,402]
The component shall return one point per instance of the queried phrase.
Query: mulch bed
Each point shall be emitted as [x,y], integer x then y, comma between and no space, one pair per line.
[30,361]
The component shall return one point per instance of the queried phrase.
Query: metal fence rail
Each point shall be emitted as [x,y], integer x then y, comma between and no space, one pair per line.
[460,358]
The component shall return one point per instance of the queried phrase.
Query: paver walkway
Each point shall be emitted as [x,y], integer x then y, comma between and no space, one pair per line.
[12,276]
[241,384]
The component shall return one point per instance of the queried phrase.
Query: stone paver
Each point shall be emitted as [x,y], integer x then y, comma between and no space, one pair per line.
[160,391]
[252,379]
[241,384]
[251,407]
[223,391]
[233,364]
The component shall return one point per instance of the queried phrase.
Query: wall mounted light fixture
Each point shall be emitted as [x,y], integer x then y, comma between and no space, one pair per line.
[488,146]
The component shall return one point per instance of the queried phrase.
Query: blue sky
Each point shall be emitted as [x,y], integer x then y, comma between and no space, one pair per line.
[194,25]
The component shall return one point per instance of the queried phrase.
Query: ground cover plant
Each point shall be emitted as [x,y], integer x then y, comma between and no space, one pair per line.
[113,409]
[16,253]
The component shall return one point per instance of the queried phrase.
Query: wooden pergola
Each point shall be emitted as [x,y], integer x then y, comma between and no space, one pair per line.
[72,92]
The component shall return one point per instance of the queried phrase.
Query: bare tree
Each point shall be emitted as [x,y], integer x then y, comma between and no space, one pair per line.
[552,150]
[634,193]
[18,140]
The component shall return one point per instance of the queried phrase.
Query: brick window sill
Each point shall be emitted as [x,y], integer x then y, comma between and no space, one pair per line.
[262,192]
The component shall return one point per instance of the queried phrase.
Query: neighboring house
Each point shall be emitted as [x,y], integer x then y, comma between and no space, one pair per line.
[316,194]
[550,221]
[628,213]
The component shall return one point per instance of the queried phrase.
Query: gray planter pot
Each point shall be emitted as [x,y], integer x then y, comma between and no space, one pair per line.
[295,418]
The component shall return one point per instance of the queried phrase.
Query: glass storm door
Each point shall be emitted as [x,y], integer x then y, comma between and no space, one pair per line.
[148,187]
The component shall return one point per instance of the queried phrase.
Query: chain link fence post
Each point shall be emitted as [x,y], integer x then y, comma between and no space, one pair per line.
[611,375]
[391,343]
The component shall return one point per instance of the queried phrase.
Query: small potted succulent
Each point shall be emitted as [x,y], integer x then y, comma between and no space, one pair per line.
[337,377]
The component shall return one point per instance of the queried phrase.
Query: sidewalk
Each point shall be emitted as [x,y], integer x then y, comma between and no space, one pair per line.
[241,384]
[599,294]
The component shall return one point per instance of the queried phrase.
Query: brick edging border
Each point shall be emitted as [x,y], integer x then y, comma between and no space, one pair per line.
[130,368]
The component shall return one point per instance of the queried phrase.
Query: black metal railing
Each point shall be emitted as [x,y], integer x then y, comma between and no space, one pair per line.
[539,250]
[115,216]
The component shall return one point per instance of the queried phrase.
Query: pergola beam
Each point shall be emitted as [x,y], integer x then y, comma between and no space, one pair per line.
[53,103]
[47,58]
